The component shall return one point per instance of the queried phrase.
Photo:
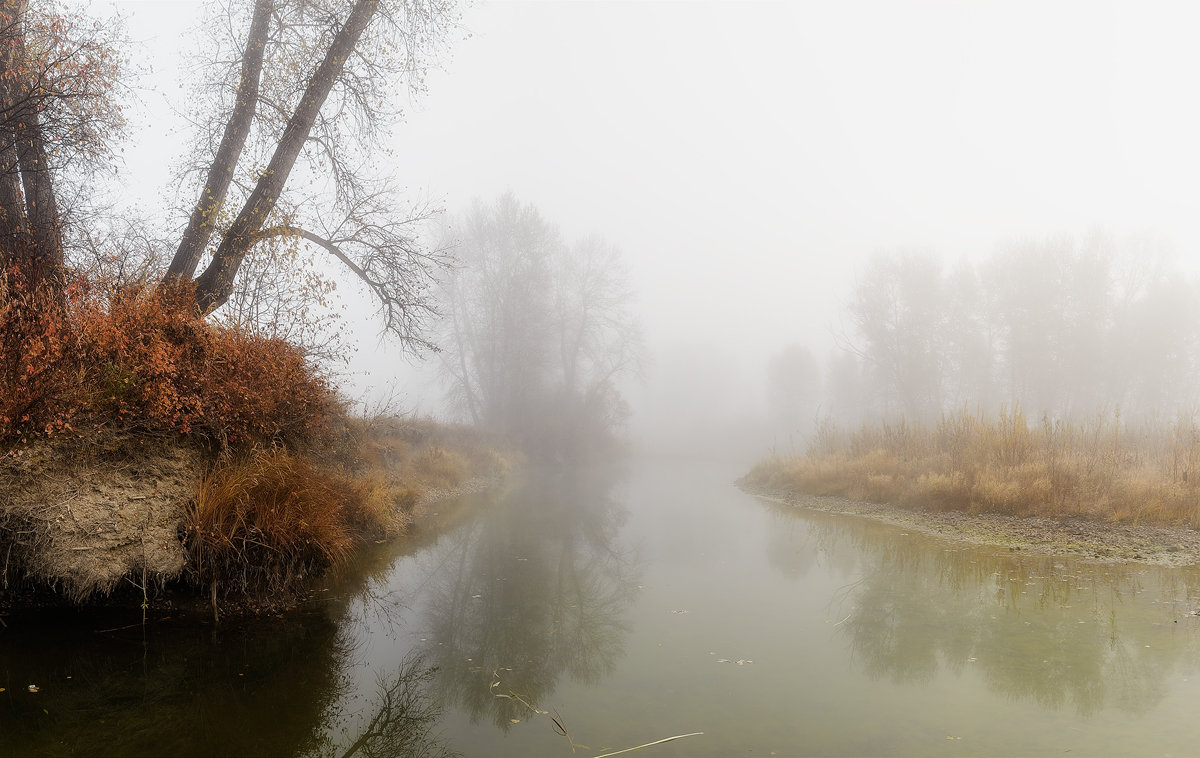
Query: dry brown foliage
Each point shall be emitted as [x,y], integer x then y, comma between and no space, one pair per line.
[1005,464]
[141,358]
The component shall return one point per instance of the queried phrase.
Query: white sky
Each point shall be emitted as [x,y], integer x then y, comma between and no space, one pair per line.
[747,157]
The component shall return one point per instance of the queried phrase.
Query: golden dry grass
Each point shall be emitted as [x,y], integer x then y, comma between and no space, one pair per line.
[267,520]
[1005,464]
[271,519]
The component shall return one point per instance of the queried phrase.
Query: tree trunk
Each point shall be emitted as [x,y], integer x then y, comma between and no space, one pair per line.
[220,174]
[214,286]
[13,222]
[34,226]
[46,246]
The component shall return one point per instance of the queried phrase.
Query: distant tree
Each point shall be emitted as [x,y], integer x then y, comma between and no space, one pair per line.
[1051,308]
[794,389]
[970,361]
[599,340]
[498,312]
[846,391]
[536,333]
[898,312]
[1064,327]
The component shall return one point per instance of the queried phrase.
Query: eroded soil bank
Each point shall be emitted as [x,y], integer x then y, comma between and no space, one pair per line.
[1085,538]
[82,523]
[104,521]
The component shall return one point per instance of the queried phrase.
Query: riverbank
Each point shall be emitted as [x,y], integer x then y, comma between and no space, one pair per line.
[1075,536]
[1103,489]
[124,518]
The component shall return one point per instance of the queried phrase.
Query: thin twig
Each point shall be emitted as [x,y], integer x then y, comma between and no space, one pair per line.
[556,718]
[648,744]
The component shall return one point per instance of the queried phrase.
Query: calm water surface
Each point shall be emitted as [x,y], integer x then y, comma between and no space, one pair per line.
[632,606]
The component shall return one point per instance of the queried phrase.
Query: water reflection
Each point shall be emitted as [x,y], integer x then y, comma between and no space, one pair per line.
[534,590]
[399,723]
[1058,632]
[260,687]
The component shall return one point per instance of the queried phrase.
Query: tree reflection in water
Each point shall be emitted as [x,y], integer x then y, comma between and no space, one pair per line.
[536,589]
[1056,631]
[401,719]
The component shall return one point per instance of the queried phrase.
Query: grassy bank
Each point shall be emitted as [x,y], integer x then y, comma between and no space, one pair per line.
[1005,464]
[263,522]
[142,446]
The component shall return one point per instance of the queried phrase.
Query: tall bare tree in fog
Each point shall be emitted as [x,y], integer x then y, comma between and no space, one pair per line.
[1051,304]
[897,312]
[536,333]
[498,310]
[599,339]
[794,390]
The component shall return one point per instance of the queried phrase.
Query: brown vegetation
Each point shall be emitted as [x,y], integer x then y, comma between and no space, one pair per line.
[267,520]
[142,359]
[138,442]
[1004,464]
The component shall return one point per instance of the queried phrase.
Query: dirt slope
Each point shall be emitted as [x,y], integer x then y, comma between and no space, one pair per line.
[84,517]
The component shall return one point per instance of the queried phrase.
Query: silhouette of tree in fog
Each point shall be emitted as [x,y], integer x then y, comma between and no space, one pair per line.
[536,332]
[897,313]
[794,389]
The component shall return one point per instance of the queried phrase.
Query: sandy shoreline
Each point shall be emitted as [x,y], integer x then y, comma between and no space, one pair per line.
[1082,538]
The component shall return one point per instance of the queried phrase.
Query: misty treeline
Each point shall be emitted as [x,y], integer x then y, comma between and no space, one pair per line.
[537,332]
[1062,328]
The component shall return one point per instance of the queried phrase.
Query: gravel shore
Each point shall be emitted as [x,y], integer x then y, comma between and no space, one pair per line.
[1084,538]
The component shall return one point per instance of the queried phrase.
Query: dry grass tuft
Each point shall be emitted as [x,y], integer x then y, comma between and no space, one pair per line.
[268,520]
[273,518]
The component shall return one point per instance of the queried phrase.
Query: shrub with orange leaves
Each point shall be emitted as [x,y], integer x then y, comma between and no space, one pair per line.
[38,373]
[141,358]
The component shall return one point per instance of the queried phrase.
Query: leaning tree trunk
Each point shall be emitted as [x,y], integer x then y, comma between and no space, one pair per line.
[220,174]
[214,286]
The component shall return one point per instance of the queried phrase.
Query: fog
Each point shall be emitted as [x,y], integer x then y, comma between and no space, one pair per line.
[761,166]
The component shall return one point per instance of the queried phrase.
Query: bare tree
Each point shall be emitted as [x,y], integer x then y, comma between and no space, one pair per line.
[285,116]
[497,312]
[794,389]
[898,313]
[537,333]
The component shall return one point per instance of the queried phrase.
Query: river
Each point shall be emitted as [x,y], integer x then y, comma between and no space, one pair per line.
[603,610]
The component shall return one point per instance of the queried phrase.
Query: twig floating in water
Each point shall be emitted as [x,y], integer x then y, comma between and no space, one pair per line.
[648,744]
